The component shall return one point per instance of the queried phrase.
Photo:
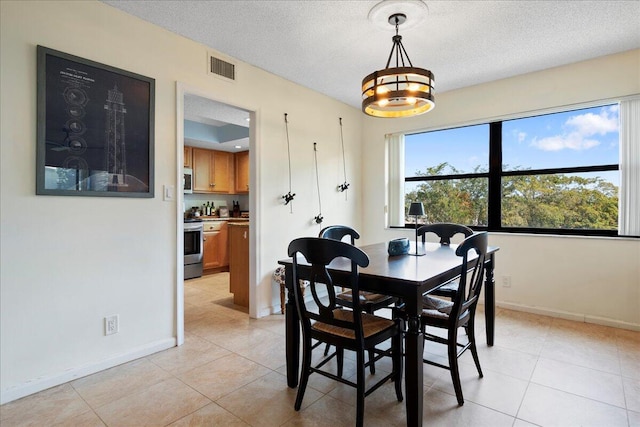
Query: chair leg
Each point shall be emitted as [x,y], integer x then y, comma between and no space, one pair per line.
[360,390]
[326,349]
[340,360]
[372,364]
[453,365]
[282,288]
[474,350]
[396,342]
[304,374]
[368,308]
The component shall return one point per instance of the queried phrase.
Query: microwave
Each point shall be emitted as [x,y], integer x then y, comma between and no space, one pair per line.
[187,181]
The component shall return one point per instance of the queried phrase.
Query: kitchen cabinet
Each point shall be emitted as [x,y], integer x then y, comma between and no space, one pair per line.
[212,171]
[215,254]
[239,263]
[242,172]
[187,157]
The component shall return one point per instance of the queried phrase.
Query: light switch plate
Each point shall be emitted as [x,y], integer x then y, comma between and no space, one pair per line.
[168,192]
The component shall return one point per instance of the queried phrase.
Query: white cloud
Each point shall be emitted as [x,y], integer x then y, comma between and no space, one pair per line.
[572,141]
[522,136]
[591,124]
[578,129]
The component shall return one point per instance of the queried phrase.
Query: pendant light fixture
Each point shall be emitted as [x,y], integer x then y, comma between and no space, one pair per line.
[400,89]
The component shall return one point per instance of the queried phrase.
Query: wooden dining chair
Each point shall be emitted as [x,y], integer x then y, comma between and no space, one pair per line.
[327,323]
[459,313]
[445,231]
[369,301]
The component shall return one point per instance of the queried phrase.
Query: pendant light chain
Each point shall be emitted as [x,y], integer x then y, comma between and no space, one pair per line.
[318,219]
[288,197]
[345,185]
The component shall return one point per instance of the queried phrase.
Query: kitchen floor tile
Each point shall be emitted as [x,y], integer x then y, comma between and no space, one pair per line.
[224,375]
[53,406]
[231,371]
[160,404]
[112,384]
[210,415]
[545,406]
[585,382]
[267,401]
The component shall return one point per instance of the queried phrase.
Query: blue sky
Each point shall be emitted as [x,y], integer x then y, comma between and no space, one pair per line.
[583,137]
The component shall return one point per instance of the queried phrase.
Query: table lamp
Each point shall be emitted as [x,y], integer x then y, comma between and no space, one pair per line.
[416,209]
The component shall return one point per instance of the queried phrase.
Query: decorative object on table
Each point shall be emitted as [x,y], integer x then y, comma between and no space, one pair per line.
[398,246]
[223,212]
[401,90]
[345,185]
[416,209]
[318,219]
[95,128]
[289,196]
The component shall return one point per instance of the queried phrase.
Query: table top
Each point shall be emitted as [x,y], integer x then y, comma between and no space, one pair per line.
[419,273]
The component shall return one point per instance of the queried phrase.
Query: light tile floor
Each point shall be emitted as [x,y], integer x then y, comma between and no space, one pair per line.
[230,372]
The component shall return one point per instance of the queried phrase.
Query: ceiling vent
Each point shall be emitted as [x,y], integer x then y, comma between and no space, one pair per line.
[221,68]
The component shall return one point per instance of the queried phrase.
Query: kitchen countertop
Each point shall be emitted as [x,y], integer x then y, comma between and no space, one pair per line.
[215,218]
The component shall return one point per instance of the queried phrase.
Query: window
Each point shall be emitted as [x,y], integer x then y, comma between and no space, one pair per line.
[553,173]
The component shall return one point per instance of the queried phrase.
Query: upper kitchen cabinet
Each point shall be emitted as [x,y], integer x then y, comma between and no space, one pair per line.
[187,157]
[242,172]
[212,171]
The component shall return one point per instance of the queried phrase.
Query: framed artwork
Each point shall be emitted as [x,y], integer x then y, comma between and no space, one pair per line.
[95,131]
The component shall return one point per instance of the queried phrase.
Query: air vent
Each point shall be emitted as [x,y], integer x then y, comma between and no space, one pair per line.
[222,68]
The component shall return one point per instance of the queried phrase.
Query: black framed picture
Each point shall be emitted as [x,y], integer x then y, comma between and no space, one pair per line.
[95,132]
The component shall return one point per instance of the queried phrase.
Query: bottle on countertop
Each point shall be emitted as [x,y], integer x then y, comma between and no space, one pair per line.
[208,209]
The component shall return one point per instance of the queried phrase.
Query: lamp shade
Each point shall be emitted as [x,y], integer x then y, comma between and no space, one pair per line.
[400,89]
[416,208]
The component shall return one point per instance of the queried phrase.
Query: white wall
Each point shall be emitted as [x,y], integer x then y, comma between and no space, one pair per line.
[67,262]
[595,279]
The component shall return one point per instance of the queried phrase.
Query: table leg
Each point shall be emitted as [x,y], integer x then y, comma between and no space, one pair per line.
[414,347]
[293,332]
[490,300]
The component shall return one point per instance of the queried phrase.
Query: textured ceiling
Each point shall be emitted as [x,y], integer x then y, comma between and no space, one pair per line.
[329,46]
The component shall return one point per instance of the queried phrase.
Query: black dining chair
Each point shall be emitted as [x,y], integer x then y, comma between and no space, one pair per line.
[459,313]
[327,323]
[445,231]
[369,301]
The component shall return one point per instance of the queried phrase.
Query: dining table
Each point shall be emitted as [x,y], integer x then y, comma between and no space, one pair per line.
[407,277]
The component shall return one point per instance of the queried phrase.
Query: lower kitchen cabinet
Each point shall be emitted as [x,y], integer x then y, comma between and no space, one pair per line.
[215,251]
[239,263]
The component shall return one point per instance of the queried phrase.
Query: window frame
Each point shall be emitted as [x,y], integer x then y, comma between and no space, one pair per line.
[496,174]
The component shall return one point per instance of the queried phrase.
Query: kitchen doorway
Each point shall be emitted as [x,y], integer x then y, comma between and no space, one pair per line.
[206,123]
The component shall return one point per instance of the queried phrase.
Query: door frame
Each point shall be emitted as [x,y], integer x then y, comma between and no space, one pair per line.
[254,183]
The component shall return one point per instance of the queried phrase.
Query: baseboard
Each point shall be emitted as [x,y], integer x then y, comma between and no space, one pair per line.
[576,317]
[43,383]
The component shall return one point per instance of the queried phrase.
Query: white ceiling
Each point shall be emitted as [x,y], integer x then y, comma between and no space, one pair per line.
[329,46]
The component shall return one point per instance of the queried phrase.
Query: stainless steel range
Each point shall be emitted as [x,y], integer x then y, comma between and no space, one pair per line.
[193,245]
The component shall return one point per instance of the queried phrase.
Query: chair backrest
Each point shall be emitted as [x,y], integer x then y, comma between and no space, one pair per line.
[471,276]
[445,231]
[318,253]
[337,232]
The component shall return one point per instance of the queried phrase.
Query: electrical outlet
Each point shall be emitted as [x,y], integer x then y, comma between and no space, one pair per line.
[111,325]
[506,281]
